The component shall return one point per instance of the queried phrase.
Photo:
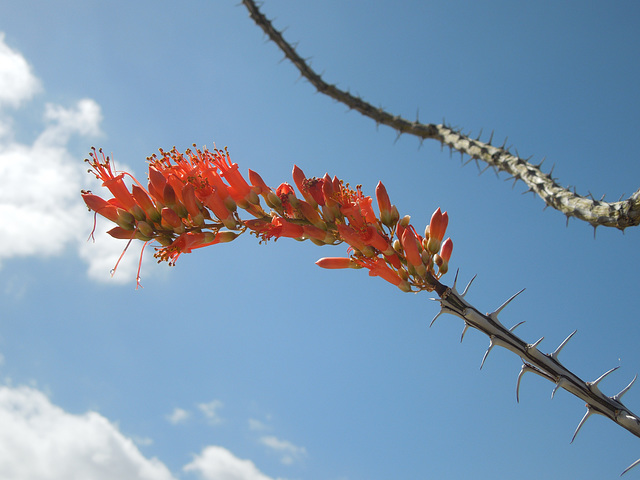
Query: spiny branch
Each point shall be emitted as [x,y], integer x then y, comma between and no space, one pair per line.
[621,214]
[546,365]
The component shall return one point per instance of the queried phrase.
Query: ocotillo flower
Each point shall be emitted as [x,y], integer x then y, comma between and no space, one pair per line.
[194,199]
[437,229]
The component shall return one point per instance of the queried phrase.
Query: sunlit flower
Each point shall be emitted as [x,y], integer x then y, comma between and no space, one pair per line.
[378,268]
[197,198]
[337,263]
[437,229]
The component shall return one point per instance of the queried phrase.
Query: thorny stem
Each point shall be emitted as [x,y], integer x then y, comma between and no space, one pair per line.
[621,214]
[544,364]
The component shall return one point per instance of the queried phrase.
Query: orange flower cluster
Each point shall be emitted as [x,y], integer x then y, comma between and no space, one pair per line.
[192,201]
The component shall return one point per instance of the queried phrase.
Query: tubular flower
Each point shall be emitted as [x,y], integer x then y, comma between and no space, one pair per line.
[282,228]
[442,259]
[378,268]
[195,199]
[239,189]
[437,229]
[337,262]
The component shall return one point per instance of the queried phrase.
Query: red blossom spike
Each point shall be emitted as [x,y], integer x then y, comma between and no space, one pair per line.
[193,197]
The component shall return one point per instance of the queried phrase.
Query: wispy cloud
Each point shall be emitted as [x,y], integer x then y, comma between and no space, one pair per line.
[289,452]
[178,416]
[210,410]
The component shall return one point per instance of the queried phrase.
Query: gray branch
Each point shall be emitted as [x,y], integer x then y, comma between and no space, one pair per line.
[545,365]
[621,214]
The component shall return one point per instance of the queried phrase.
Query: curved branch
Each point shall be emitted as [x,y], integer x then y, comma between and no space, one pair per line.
[621,214]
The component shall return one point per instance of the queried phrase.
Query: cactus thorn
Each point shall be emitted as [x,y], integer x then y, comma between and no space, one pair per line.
[531,346]
[466,289]
[516,325]
[559,384]
[630,466]
[554,355]
[528,368]
[584,419]
[434,318]
[469,161]
[624,390]
[484,169]
[455,279]
[525,368]
[494,315]
[601,377]
[486,354]
[464,330]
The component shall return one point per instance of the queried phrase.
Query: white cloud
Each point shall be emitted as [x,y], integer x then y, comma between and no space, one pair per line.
[40,441]
[178,416]
[17,82]
[218,463]
[41,211]
[290,452]
[210,410]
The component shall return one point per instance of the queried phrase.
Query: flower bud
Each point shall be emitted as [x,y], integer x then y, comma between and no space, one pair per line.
[337,262]
[384,205]
[145,229]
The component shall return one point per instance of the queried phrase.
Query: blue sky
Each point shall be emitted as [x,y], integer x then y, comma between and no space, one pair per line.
[248,362]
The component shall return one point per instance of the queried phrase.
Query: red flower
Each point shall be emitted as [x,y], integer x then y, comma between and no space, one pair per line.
[437,229]
[378,268]
[101,206]
[282,228]
[239,188]
[337,262]
[310,188]
[115,184]
[285,193]
[442,259]
[192,197]
[410,245]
